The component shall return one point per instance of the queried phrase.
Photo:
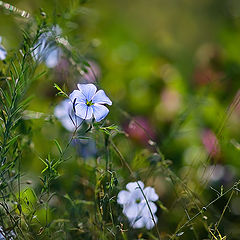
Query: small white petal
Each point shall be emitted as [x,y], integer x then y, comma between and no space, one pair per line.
[99,112]
[88,90]
[131,210]
[52,58]
[39,49]
[133,186]
[136,195]
[138,223]
[3,53]
[146,211]
[123,197]
[83,111]
[149,223]
[101,98]
[150,194]
[62,112]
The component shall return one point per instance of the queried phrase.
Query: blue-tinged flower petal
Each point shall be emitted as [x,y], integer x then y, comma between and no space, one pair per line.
[3,53]
[136,195]
[76,94]
[101,98]
[86,148]
[99,112]
[84,111]
[133,185]
[138,222]
[131,210]
[64,112]
[52,59]
[150,194]
[123,197]
[46,49]
[56,30]
[146,211]
[149,224]
[88,90]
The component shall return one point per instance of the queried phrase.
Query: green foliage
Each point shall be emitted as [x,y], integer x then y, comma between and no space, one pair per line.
[174,123]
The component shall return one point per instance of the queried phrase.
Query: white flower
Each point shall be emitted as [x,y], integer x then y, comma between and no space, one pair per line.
[65,114]
[135,207]
[6,235]
[46,48]
[3,52]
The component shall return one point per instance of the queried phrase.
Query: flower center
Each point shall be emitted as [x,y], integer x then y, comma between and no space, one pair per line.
[138,200]
[89,103]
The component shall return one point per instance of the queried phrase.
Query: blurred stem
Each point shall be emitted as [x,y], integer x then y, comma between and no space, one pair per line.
[109,177]
[107,155]
[123,161]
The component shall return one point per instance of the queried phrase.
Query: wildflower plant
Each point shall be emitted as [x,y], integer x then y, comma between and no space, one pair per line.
[77,188]
[88,102]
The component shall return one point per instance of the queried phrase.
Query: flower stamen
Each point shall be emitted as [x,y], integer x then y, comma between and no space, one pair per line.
[89,103]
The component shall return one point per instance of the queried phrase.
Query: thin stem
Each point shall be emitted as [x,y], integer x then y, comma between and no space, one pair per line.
[155,224]
[220,219]
[206,207]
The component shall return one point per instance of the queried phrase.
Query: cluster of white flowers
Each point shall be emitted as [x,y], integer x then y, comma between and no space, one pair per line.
[135,206]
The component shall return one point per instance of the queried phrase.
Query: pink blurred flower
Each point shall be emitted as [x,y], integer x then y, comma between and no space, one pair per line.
[62,70]
[205,75]
[171,100]
[93,73]
[208,68]
[140,130]
[236,102]
[210,142]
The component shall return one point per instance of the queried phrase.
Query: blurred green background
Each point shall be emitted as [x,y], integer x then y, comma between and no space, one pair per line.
[173,66]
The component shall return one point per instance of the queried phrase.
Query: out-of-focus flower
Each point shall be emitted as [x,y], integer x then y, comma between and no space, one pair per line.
[140,130]
[86,148]
[62,71]
[208,69]
[46,49]
[205,75]
[135,207]
[88,102]
[171,101]
[3,52]
[210,142]
[93,73]
[65,114]
[221,174]
[4,235]
[169,105]
[235,105]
